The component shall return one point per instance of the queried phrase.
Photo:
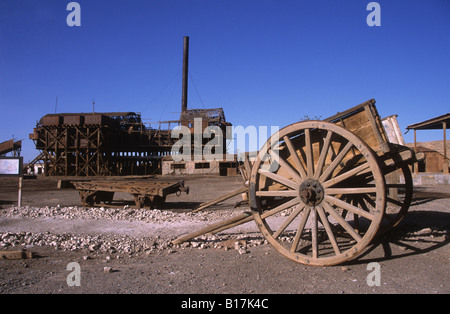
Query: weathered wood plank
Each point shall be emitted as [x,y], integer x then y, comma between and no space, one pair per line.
[16,255]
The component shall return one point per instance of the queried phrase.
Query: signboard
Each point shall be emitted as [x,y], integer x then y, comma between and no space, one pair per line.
[11,166]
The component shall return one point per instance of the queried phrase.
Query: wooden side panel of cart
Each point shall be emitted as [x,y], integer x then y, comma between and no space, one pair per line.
[362,120]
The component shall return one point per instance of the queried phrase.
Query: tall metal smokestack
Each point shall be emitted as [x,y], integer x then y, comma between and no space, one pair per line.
[185,74]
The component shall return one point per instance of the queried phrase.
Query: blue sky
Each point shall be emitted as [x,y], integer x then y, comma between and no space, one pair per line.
[265,62]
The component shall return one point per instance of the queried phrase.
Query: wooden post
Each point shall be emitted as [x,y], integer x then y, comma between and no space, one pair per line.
[416,169]
[66,162]
[445,165]
[393,178]
[77,152]
[98,150]
[19,201]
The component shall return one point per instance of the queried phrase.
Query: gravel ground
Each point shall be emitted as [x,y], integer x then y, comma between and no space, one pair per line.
[115,230]
[128,250]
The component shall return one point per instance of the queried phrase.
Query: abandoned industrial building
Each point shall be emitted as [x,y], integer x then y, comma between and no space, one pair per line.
[119,143]
[12,147]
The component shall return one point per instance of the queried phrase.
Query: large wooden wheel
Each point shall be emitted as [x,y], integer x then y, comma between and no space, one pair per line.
[399,192]
[399,189]
[317,193]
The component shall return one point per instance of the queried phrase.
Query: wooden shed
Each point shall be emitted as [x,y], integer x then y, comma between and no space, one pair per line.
[437,123]
[433,161]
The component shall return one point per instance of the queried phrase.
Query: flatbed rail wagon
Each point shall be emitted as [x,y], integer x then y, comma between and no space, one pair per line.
[145,192]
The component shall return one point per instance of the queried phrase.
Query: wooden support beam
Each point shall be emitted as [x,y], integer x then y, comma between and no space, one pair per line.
[16,255]
[213,228]
[445,164]
[416,168]
[221,199]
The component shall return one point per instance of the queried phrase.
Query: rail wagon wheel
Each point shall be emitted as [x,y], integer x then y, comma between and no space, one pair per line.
[303,187]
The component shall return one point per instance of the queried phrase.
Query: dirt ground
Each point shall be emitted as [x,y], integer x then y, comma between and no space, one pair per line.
[413,258]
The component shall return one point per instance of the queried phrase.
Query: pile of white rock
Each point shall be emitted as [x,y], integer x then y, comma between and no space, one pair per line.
[120,244]
[123,244]
[114,213]
[91,243]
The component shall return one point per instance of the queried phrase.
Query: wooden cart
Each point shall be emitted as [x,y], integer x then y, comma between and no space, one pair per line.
[145,193]
[320,191]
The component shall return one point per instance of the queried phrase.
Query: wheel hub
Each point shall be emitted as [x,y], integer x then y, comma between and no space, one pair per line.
[311,192]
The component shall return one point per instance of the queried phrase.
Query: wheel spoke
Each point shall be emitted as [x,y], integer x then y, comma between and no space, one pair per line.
[314,240]
[279,179]
[281,207]
[341,221]
[368,200]
[309,153]
[327,227]
[289,220]
[355,202]
[349,207]
[346,175]
[334,191]
[323,155]
[336,162]
[394,185]
[285,193]
[301,227]
[295,157]
[394,201]
[289,169]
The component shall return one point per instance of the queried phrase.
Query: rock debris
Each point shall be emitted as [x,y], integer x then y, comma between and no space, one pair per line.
[120,244]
